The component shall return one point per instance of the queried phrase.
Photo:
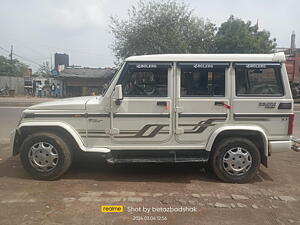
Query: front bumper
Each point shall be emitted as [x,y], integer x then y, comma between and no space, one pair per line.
[14,142]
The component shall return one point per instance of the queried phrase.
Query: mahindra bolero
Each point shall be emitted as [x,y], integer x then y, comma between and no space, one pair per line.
[230,110]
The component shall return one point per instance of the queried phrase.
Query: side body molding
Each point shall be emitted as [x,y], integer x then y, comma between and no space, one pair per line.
[67,128]
[236,127]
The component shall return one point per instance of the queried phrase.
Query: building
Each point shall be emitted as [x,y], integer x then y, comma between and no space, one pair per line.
[293,64]
[61,60]
[84,81]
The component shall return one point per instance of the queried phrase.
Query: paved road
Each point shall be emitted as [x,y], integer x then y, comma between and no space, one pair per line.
[9,117]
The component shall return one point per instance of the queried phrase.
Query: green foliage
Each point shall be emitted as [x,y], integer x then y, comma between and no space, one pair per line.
[14,68]
[170,27]
[236,36]
[161,27]
[43,70]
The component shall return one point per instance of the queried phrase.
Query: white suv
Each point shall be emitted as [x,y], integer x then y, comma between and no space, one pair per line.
[232,110]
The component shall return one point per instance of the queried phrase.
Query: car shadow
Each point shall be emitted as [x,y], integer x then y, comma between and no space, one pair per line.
[93,167]
[261,176]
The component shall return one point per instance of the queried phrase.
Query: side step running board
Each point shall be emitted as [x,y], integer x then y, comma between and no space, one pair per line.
[155,160]
[157,156]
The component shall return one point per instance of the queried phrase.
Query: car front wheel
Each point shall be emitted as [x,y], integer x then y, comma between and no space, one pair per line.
[45,156]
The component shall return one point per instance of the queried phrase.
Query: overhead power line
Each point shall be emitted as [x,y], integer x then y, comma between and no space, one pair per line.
[4,50]
[22,57]
[26,59]
[33,50]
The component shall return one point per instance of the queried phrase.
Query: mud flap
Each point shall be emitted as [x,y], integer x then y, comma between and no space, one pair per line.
[264,160]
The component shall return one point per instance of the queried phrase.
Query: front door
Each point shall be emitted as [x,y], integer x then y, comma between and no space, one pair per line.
[202,101]
[144,115]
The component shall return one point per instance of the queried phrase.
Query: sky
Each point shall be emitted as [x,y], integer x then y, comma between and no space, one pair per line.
[39,28]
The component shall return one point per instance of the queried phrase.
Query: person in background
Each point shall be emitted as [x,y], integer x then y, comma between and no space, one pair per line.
[46,90]
[57,91]
[33,88]
[36,93]
[53,89]
[40,88]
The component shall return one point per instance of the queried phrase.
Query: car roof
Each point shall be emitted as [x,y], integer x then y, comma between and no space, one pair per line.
[275,57]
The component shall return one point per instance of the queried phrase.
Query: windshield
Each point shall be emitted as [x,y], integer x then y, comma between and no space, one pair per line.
[105,88]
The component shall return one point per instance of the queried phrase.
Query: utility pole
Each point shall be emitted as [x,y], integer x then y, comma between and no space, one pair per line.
[11,62]
[11,54]
[50,61]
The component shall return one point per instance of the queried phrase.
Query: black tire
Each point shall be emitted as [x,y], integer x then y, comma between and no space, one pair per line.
[219,166]
[62,150]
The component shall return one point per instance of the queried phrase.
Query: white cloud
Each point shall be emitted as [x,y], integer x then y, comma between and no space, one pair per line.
[79,15]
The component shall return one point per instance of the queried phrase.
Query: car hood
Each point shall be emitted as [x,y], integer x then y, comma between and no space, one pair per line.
[77,103]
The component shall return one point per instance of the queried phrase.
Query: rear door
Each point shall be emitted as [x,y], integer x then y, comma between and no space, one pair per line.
[201,100]
[259,97]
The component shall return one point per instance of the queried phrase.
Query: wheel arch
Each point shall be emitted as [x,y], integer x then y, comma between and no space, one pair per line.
[61,128]
[256,134]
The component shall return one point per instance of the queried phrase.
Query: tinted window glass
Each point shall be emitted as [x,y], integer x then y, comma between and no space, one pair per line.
[260,81]
[145,82]
[202,82]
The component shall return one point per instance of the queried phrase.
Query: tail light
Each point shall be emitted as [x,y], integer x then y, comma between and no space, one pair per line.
[291,124]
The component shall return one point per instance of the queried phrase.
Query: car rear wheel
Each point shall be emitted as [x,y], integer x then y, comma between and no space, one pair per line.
[45,156]
[235,160]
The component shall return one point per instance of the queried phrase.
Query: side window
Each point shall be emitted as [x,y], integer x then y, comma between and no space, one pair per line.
[145,80]
[199,80]
[258,80]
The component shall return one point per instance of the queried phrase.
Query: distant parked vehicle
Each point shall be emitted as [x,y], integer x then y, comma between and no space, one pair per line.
[4,91]
[28,86]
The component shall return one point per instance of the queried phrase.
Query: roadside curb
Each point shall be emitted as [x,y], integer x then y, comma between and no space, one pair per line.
[24,104]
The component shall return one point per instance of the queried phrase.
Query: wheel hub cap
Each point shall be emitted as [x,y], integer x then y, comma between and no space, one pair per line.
[43,156]
[237,161]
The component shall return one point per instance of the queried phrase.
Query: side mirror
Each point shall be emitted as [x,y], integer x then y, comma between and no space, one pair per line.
[118,94]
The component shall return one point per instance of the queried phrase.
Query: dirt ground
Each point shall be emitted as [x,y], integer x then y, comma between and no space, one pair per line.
[273,197]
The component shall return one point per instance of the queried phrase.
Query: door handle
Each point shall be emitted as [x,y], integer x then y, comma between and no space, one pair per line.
[161,103]
[94,120]
[219,103]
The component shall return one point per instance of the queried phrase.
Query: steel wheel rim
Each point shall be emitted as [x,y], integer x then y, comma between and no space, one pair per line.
[237,161]
[43,156]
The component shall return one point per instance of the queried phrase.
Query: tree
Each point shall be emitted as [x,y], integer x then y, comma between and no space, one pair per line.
[161,27]
[236,36]
[43,70]
[12,68]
